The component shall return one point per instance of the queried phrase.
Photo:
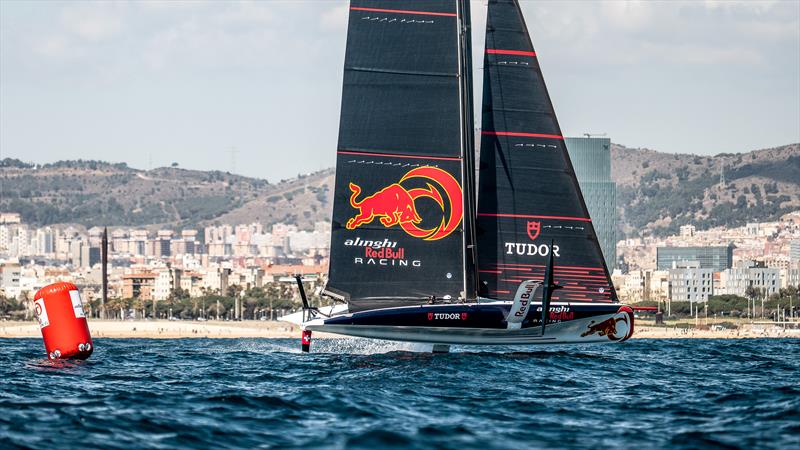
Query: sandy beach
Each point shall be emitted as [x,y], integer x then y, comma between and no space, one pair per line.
[166,329]
[264,329]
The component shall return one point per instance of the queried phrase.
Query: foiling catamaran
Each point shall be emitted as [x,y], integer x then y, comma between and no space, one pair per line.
[417,252]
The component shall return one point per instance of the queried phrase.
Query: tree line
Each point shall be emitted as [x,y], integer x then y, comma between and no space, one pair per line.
[259,303]
[785,301]
[274,299]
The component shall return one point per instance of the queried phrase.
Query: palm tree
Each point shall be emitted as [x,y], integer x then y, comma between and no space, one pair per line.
[235,291]
[751,293]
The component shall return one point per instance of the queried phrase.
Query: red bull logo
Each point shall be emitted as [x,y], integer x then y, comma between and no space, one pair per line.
[608,327]
[396,205]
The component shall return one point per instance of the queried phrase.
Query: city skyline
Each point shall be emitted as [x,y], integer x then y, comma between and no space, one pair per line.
[695,265]
[222,85]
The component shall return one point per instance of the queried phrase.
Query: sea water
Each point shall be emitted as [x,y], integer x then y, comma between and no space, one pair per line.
[350,393]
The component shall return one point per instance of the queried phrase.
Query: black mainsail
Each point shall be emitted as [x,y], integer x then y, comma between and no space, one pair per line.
[404,157]
[528,193]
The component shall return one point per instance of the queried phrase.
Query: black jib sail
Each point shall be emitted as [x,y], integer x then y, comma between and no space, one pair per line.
[528,194]
[399,205]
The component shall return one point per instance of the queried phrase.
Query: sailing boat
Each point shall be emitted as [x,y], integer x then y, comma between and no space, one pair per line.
[417,252]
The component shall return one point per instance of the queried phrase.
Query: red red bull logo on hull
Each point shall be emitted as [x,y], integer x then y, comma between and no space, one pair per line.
[609,327]
[396,205]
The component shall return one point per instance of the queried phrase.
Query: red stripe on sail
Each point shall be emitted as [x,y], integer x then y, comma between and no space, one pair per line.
[495,51]
[390,155]
[579,267]
[527,216]
[521,134]
[403,11]
[556,267]
[581,277]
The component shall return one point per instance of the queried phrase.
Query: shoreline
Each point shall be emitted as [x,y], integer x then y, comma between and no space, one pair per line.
[165,329]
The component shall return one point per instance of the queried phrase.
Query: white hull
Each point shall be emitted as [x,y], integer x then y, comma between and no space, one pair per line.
[569,332]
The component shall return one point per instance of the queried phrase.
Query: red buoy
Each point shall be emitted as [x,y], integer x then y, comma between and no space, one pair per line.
[59,309]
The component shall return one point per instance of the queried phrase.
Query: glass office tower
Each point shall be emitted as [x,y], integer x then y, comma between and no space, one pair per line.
[591,158]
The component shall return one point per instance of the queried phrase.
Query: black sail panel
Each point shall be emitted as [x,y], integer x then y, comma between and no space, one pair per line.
[401,90]
[528,194]
[398,240]
[397,233]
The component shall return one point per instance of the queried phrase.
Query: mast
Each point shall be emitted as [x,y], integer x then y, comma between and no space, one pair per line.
[104,264]
[528,192]
[468,150]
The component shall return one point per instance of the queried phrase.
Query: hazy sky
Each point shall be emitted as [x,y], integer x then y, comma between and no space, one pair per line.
[151,83]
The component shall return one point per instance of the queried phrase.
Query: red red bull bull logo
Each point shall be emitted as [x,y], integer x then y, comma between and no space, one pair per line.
[396,205]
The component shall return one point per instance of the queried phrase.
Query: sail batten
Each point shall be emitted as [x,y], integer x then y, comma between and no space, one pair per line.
[497,51]
[528,193]
[396,155]
[520,133]
[532,216]
[401,72]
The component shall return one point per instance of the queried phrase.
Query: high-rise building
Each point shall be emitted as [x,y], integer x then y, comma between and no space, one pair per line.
[794,251]
[717,258]
[591,158]
[45,241]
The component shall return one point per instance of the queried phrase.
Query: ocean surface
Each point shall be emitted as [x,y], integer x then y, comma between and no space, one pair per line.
[349,393]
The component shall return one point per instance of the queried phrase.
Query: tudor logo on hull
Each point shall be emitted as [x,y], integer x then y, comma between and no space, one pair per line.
[395,205]
[447,316]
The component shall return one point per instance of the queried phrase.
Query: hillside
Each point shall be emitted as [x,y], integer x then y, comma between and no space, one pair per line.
[657,192]
[97,193]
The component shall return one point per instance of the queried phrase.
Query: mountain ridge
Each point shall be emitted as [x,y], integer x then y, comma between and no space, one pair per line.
[657,192]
